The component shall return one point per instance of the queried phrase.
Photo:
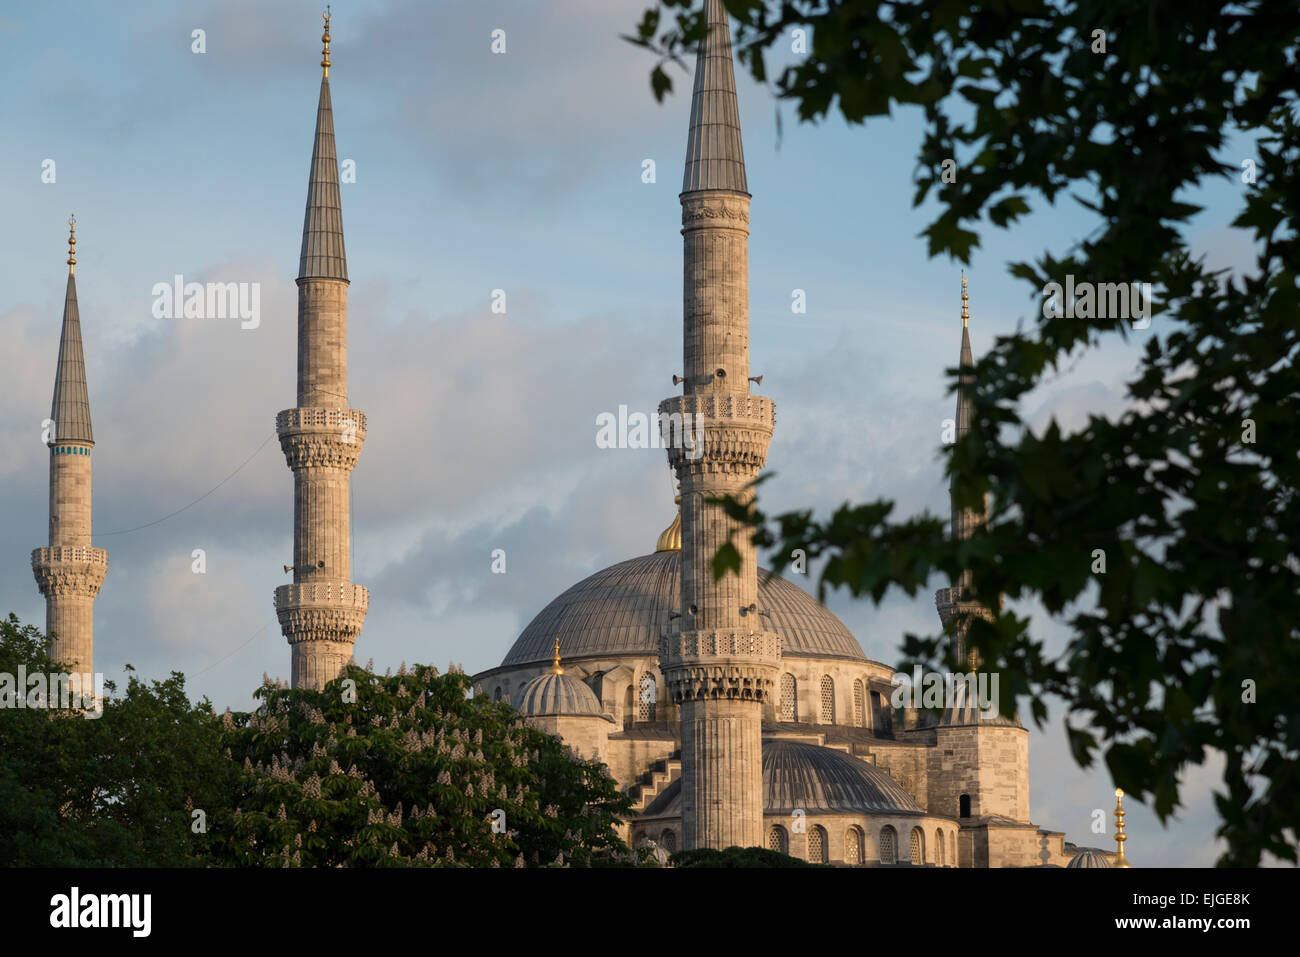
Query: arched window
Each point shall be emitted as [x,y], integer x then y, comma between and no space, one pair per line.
[789,702]
[828,700]
[777,840]
[859,704]
[888,845]
[938,849]
[496,694]
[853,846]
[640,836]
[645,705]
[668,840]
[627,707]
[963,806]
[918,848]
[817,844]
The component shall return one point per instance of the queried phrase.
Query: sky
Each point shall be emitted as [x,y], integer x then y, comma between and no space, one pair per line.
[476,172]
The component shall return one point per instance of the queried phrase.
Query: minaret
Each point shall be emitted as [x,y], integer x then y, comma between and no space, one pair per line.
[322,611]
[70,571]
[957,601]
[718,662]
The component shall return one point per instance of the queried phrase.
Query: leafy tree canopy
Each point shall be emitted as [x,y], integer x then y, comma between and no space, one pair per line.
[408,769]
[1187,642]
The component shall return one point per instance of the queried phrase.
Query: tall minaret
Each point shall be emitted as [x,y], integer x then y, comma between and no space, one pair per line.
[959,600]
[321,613]
[718,662]
[70,571]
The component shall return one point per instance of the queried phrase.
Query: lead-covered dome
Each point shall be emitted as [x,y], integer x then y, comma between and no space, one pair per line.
[1089,857]
[620,611]
[557,694]
[813,778]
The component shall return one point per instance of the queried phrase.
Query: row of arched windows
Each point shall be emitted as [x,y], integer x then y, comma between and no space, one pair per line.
[641,700]
[855,845]
[788,709]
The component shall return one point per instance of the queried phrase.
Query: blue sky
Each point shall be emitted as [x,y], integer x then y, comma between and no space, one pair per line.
[475,172]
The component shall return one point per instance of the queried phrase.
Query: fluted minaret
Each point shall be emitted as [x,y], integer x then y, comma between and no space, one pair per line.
[719,663]
[321,613]
[70,571]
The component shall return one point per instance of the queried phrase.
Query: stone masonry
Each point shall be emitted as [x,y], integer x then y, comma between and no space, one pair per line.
[719,662]
[70,570]
[321,613]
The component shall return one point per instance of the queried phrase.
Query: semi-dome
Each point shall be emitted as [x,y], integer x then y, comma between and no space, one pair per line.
[1089,857]
[797,775]
[620,611]
[815,780]
[557,694]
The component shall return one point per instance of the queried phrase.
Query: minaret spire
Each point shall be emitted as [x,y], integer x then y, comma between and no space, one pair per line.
[718,660]
[323,256]
[715,155]
[321,613]
[70,570]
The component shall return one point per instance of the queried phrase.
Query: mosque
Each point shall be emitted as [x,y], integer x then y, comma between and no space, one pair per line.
[742,711]
[737,711]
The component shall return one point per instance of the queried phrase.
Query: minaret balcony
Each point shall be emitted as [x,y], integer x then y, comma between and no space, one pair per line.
[723,664]
[321,610]
[321,438]
[731,429]
[76,570]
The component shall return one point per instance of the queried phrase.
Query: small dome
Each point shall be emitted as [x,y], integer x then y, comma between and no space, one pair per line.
[557,694]
[1089,857]
[806,776]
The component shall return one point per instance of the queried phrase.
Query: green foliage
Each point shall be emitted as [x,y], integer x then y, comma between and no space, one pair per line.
[410,772]
[738,857]
[1192,493]
[117,790]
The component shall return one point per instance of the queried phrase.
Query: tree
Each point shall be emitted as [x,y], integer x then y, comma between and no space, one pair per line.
[114,791]
[738,857]
[1187,642]
[408,769]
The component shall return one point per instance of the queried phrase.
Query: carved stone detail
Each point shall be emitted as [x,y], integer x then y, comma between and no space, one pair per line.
[77,570]
[736,431]
[699,207]
[321,611]
[321,438]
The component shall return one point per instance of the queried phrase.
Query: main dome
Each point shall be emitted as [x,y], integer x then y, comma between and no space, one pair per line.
[620,610]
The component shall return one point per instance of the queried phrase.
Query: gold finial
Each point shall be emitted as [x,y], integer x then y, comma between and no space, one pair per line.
[555,668]
[72,243]
[670,539]
[325,39]
[965,312]
[1120,859]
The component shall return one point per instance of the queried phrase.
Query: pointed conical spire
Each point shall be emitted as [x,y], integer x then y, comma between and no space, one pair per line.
[322,255]
[715,156]
[70,409]
[963,521]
